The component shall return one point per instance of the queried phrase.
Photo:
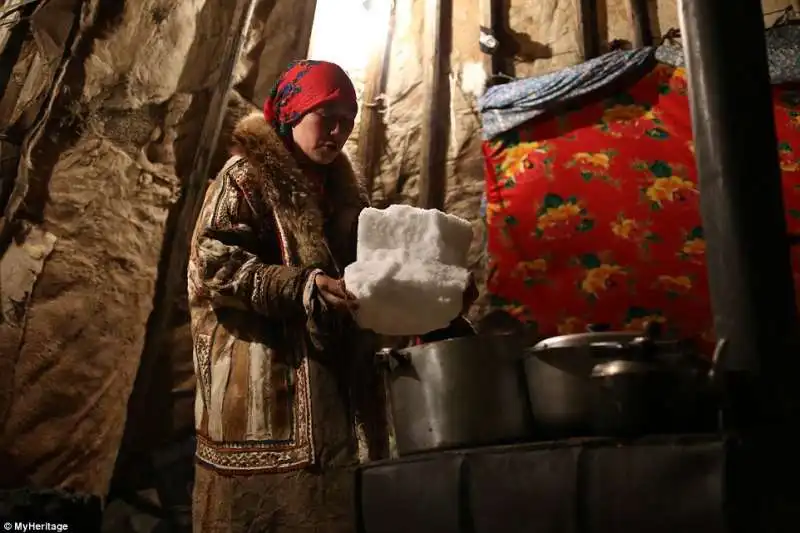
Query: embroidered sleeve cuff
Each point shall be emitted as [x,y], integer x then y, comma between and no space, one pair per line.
[310,292]
[316,313]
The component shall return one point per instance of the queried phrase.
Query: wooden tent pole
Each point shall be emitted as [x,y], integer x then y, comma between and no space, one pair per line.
[436,125]
[590,32]
[489,42]
[640,20]
[371,133]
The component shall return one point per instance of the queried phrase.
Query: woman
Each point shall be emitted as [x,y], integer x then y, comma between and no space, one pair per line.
[287,396]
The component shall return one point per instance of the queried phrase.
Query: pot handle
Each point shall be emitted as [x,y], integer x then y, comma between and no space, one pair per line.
[653,331]
[391,357]
[609,344]
[717,361]
[646,342]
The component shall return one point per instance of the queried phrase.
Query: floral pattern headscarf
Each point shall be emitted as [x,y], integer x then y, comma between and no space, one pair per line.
[304,86]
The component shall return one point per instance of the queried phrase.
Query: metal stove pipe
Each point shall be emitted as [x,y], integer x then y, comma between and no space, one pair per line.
[750,276]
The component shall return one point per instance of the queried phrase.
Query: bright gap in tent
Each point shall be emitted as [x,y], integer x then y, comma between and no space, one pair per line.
[348,32]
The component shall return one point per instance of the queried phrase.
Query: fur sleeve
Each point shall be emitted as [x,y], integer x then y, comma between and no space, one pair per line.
[226,267]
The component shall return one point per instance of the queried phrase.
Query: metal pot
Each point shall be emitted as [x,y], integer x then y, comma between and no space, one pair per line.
[647,389]
[569,392]
[557,372]
[458,393]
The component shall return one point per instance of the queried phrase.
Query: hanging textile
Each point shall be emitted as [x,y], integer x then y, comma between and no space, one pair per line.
[593,213]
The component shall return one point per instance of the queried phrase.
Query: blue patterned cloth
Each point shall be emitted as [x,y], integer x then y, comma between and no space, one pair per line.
[783,53]
[505,107]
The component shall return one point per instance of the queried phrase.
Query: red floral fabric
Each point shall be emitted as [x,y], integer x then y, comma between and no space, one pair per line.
[593,215]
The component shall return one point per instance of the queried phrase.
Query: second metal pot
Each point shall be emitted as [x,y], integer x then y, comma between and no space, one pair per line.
[558,371]
[644,391]
[618,384]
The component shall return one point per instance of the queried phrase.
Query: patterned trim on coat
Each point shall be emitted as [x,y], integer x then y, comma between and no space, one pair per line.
[246,457]
[202,354]
[247,461]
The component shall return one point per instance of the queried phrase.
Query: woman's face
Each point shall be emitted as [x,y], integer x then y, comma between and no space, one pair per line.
[322,132]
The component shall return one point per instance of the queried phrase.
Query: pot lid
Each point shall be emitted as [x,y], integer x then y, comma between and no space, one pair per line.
[577,354]
[604,339]
[601,338]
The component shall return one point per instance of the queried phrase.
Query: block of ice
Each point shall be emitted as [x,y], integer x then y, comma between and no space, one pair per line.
[424,234]
[405,298]
[410,272]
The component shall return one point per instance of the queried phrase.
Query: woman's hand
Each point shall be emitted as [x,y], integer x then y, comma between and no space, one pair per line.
[334,293]
[471,294]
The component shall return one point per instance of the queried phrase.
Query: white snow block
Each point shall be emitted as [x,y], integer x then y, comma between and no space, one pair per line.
[406,298]
[423,234]
[410,274]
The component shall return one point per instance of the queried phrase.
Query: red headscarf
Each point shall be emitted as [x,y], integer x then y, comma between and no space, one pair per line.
[304,86]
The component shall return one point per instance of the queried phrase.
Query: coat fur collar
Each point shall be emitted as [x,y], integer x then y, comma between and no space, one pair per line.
[276,183]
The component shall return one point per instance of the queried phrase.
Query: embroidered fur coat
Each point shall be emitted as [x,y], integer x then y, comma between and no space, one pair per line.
[283,384]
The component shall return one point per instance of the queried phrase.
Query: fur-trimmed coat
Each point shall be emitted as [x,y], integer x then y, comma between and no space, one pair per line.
[283,384]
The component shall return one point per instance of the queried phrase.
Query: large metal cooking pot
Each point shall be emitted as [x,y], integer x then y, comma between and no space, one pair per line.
[645,390]
[558,373]
[458,393]
[573,394]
